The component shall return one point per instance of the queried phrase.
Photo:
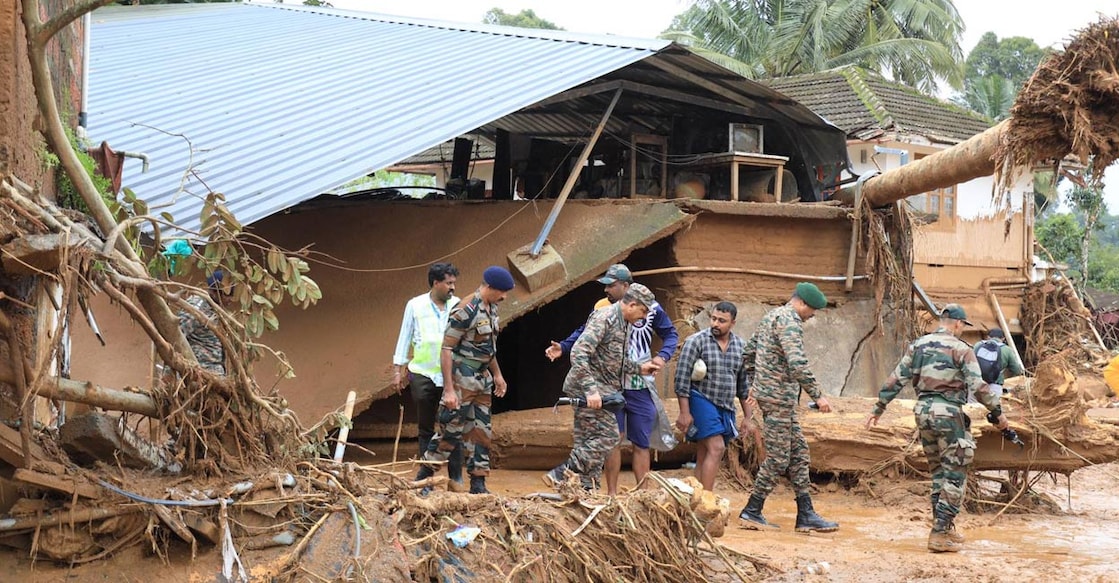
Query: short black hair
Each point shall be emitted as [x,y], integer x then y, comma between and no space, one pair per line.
[439,272]
[726,307]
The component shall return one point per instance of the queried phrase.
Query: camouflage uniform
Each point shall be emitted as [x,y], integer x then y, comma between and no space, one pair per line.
[475,324]
[942,369]
[775,352]
[598,364]
[203,342]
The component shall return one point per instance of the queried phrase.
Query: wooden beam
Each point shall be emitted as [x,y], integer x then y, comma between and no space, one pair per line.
[67,485]
[717,89]
[577,93]
[91,394]
[12,452]
[685,97]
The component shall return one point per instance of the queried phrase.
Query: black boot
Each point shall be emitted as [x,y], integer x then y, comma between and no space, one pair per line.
[478,485]
[808,520]
[752,517]
[425,472]
[454,470]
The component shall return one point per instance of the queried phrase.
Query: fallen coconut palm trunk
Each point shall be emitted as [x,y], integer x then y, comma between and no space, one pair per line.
[1066,108]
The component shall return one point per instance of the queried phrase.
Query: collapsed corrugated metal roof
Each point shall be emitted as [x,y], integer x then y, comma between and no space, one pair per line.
[281,104]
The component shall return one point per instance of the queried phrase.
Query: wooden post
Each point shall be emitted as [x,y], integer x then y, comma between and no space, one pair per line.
[502,187]
[344,432]
[1002,322]
[573,177]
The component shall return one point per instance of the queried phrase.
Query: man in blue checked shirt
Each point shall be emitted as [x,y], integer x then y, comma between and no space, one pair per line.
[707,399]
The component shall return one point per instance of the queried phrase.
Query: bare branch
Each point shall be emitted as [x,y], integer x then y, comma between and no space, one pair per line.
[43,32]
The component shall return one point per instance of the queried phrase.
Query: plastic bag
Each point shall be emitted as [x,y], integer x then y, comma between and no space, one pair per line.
[663,435]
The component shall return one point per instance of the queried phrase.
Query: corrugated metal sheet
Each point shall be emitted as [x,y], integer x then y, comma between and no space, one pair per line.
[307,100]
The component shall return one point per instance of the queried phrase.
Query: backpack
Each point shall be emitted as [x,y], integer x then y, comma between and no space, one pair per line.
[987,353]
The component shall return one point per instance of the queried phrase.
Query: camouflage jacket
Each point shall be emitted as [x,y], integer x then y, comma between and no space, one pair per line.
[598,358]
[474,323]
[938,364]
[203,342]
[775,354]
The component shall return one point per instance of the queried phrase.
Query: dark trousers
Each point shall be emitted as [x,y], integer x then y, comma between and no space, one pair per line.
[427,395]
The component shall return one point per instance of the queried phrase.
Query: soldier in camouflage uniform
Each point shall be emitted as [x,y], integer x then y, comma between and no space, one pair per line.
[599,363]
[203,341]
[775,354]
[471,378]
[942,369]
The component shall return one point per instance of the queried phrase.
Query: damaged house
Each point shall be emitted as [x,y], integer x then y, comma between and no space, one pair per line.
[709,186]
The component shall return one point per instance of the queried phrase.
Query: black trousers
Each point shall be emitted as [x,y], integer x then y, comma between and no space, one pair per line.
[427,395]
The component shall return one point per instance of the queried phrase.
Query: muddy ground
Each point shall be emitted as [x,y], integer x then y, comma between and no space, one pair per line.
[884,526]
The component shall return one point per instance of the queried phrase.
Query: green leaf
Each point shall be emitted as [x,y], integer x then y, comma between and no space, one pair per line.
[271,320]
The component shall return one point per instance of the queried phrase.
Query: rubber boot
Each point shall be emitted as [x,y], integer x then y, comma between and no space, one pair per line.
[808,520]
[939,541]
[955,535]
[478,485]
[425,473]
[751,515]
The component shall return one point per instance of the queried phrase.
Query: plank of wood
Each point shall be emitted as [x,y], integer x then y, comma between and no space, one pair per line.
[12,452]
[57,483]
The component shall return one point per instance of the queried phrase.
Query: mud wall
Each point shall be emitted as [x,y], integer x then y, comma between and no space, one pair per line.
[19,137]
[834,339]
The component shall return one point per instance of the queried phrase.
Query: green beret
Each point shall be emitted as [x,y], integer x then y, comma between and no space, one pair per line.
[812,295]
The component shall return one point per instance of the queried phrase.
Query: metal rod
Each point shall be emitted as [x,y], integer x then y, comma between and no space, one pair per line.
[570,184]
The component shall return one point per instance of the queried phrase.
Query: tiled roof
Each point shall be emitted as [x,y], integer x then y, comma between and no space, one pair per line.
[864,105]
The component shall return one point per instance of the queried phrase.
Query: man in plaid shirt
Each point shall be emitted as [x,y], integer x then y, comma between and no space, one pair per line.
[707,399]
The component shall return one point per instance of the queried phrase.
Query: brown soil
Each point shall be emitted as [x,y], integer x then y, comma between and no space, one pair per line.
[882,537]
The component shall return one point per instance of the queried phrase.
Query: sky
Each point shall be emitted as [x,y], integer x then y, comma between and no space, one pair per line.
[1049,23]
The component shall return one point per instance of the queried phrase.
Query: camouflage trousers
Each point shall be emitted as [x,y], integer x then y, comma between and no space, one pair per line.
[596,434]
[949,449]
[468,426]
[786,451]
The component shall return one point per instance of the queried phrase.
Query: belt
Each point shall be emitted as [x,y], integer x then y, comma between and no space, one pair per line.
[473,363]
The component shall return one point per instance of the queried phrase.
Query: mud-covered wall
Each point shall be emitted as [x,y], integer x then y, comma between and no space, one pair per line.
[20,145]
[835,338]
[787,244]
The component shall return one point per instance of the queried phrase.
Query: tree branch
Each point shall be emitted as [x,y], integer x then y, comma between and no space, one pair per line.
[42,33]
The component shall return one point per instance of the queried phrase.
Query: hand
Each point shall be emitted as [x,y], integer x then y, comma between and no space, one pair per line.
[748,427]
[1004,423]
[499,386]
[554,351]
[398,381]
[657,360]
[450,398]
[752,402]
[594,400]
[683,421]
[650,367]
[823,405]
[872,421]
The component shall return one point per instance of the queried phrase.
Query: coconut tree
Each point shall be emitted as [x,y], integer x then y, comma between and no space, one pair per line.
[915,42]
